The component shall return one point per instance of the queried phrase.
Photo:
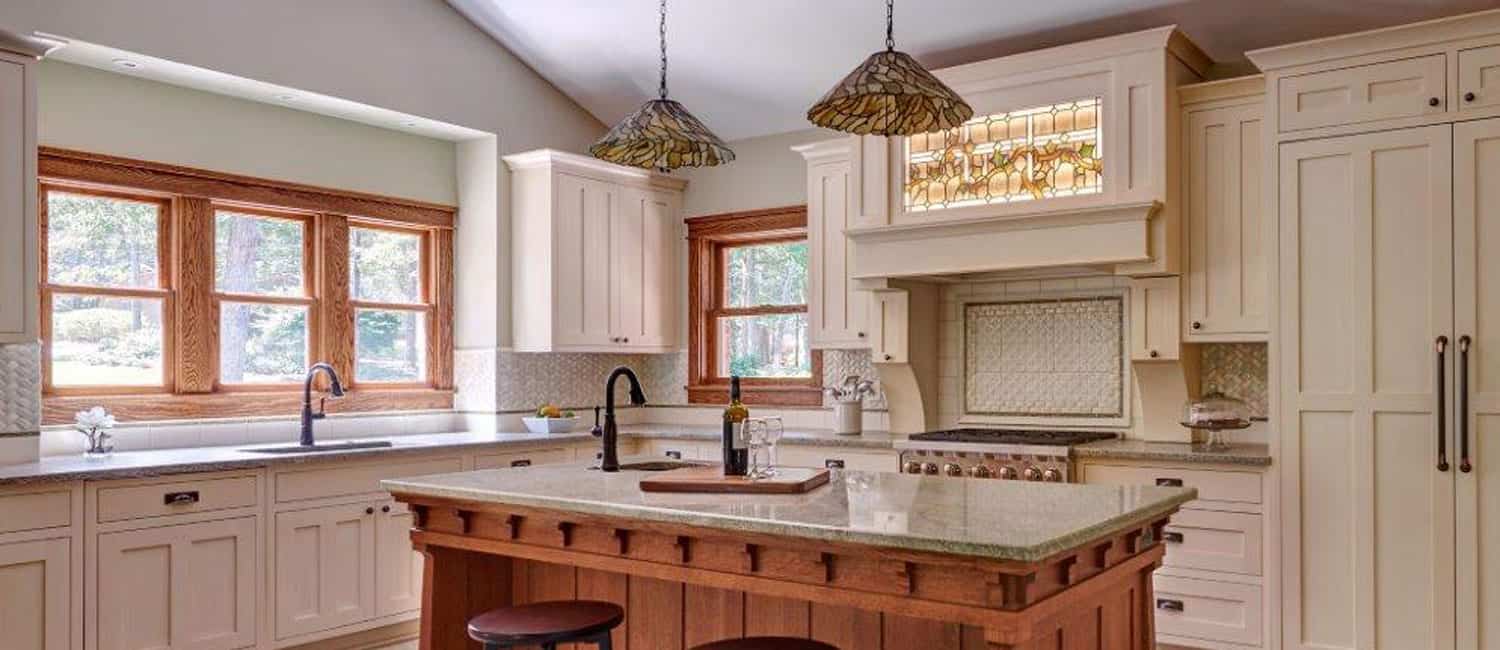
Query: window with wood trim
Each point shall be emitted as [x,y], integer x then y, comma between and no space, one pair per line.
[175,293]
[748,302]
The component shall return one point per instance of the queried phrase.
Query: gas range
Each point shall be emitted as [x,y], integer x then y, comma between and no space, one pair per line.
[1030,455]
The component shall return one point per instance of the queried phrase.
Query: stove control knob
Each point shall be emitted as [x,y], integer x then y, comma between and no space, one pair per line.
[1052,475]
[912,467]
[980,471]
[953,469]
[1008,473]
[930,468]
[1031,473]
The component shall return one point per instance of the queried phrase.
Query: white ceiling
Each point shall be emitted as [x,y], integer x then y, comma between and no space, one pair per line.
[752,67]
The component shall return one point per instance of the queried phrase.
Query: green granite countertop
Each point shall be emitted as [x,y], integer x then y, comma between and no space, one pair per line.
[1247,454]
[1002,520]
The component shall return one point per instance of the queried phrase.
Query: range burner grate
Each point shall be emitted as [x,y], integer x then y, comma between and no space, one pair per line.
[1014,436]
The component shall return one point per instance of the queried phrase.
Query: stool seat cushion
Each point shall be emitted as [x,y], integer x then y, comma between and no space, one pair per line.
[767,643]
[545,622]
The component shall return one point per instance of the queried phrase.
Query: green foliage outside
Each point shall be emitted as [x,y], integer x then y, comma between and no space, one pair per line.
[770,345]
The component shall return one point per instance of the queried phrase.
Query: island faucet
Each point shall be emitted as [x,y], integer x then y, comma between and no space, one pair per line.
[335,388]
[611,436]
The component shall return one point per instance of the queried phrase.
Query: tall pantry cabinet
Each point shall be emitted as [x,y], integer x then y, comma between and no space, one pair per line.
[1387,346]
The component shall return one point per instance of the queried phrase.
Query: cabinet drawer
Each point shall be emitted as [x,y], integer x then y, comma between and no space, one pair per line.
[35,510]
[1479,77]
[803,456]
[1214,541]
[163,499]
[1213,611]
[681,449]
[1366,93]
[1232,487]
[523,458]
[362,479]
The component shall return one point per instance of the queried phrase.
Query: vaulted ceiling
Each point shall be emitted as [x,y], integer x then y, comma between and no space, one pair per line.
[752,67]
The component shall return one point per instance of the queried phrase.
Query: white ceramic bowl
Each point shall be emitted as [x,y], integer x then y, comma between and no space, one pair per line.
[550,425]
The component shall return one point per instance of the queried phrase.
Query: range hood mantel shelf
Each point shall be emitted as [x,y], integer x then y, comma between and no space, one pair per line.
[1094,236]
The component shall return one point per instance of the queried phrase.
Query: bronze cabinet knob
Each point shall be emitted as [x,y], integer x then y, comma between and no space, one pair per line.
[1469,97]
[1197,325]
[1434,102]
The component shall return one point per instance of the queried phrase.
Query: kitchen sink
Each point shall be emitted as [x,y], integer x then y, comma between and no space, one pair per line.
[321,447]
[658,465]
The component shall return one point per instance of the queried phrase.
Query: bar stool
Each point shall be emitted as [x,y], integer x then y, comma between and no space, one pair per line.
[547,624]
[767,643]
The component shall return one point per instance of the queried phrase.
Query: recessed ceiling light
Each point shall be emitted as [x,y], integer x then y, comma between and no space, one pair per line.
[409,123]
[126,63]
[286,97]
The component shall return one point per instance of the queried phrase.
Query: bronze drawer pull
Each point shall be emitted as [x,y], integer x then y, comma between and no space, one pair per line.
[1171,537]
[1463,405]
[1168,605]
[180,498]
[1442,401]
[1169,482]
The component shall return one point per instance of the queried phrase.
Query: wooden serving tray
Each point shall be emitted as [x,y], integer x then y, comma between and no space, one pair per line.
[711,478]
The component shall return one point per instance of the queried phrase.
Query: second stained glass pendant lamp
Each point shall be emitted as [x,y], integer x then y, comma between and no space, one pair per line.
[890,94]
[661,134]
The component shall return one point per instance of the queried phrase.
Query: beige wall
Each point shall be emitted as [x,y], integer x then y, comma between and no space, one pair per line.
[98,111]
[766,173]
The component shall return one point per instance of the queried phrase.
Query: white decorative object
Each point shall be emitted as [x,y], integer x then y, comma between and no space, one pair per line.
[848,418]
[550,425]
[95,424]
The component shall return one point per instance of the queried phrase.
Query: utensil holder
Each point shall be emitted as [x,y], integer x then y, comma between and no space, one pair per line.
[848,418]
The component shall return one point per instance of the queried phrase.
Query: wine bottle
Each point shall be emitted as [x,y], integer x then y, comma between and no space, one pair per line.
[736,446]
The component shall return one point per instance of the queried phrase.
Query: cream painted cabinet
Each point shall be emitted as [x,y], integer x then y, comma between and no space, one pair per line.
[35,600]
[836,310]
[1479,78]
[398,568]
[18,207]
[889,323]
[1155,333]
[594,255]
[325,568]
[1225,230]
[189,586]
[1367,353]
[1476,218]
[1365,93]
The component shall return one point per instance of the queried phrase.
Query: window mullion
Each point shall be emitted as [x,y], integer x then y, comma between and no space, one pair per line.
[336,323]
[196,312]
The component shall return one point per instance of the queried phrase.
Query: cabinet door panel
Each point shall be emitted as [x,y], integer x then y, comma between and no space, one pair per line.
[1155,313]
[1366,93]
[890,339]
[1476,238]
[1366,289]
[581,243]
[1479,76]
[836,311]
[325,566]
[1227,271]
[180,587]
[17,205]
[627,268]
[35,595]
[398,571]
[658,272]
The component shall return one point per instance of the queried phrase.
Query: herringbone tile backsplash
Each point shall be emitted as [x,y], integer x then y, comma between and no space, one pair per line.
[20,388]
[1239,371]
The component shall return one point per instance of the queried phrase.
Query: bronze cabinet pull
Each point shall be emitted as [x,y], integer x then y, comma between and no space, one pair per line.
[180,498]
[1463,405]
[1442,404]
[1169,482]
[1169,605]
[1171,537]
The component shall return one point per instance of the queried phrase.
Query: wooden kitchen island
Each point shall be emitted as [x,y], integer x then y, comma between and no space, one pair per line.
[870,561]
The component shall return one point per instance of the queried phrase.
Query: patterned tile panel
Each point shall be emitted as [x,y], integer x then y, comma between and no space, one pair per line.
[524,380]
[20,388]
[1046,357]
[1238,370]
[838,364]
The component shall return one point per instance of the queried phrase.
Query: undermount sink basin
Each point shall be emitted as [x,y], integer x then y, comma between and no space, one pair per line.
[658,465]
[321,447]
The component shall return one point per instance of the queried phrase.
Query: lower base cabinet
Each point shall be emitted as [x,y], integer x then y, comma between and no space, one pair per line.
[35,601]
[343,565]
[167,587]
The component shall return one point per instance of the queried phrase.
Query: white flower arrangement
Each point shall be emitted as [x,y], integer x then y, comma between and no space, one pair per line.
[95,424]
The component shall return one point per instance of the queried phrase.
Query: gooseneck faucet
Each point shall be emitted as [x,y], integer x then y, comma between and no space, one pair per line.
[611,437]
[334,388]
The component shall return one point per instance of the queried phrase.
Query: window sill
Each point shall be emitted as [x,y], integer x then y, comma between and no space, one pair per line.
[753,394]
[60,409]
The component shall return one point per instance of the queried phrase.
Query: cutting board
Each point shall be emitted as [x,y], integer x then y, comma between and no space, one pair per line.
[711,478]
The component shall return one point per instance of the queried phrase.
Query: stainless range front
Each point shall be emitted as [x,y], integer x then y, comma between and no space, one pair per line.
[995,453]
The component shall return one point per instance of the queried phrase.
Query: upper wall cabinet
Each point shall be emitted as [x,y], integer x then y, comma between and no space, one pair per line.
[594,251]
[1412,75]
[1225,228]
[18,225]
[836,309]
[1071,159]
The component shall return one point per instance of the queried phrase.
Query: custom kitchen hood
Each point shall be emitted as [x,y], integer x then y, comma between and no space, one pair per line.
[1071,161]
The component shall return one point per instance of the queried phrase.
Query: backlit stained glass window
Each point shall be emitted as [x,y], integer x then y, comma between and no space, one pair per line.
[1036,153]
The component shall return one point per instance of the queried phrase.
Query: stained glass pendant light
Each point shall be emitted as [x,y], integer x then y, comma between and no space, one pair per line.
[661,134]
[890,94]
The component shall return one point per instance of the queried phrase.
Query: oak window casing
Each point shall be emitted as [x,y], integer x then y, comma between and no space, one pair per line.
[709,240]
[189,201]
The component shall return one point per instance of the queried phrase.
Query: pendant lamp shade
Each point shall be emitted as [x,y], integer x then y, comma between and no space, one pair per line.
[661,134]
[890,94]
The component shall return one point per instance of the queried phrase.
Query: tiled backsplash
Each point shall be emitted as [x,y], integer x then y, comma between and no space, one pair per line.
[1239,371]
[838,364]
[136,436]
[1044,357]
[20,389]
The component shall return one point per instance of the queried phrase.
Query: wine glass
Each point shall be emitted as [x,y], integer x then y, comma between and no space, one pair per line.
[773,430]
[755,438]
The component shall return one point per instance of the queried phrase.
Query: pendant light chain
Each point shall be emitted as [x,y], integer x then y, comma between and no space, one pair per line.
[662,89]
[890,14]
